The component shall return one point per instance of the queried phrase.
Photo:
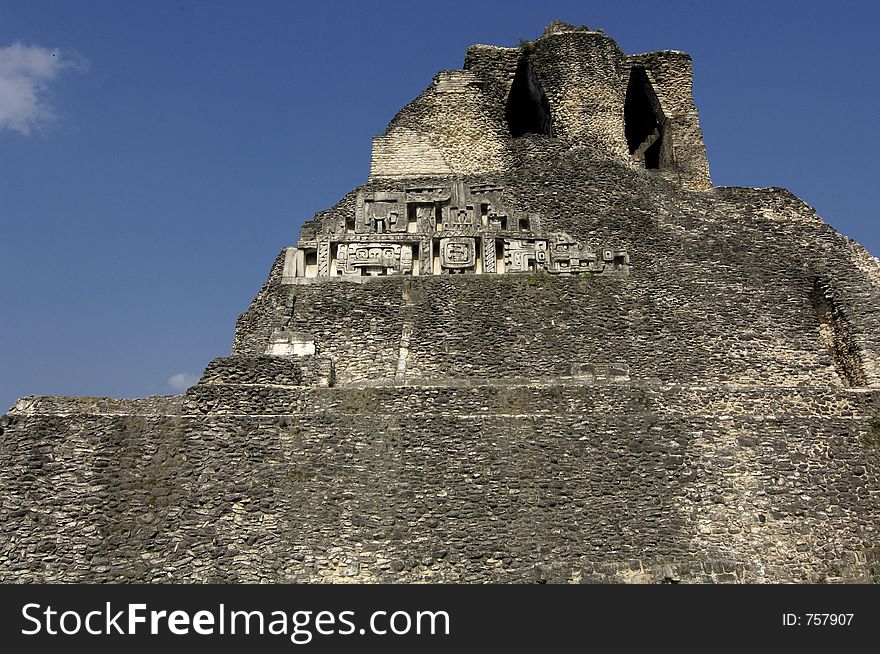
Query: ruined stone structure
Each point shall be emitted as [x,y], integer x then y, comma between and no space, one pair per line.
[536,345]
[439,230]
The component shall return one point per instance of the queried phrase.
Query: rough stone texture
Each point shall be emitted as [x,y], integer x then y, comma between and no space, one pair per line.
[269,371]
[460,125]
[671,77]
[721,289]
[444,131]
[503,484]
[701,405]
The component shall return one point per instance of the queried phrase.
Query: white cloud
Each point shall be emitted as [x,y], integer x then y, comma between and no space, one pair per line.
[181,381]
[25,73]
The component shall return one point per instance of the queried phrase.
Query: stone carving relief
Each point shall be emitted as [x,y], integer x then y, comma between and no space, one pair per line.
[373,259]
[438,230]
[524,255]
[457,255]
[382,213]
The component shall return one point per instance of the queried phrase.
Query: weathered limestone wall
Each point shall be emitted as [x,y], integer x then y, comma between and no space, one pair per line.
[809,247]
[532,327]
[446,130]
[403,149]
[580,73]
[271,371]
[499,484]
[578,397]
[495,67]
[265,313]
[459,125]
[869,314]
[155,405]
[357,325]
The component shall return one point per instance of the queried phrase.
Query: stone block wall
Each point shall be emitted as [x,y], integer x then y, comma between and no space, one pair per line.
[580,73]
[404,150]
[495,67]
[357,325]
[509,484]
[672,322]
[446,130]
[269,371]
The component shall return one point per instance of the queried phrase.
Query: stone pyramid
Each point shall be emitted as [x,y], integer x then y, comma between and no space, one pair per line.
[537,345]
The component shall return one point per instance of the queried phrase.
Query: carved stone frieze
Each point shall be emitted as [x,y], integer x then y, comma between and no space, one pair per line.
[373,259]
[443,229]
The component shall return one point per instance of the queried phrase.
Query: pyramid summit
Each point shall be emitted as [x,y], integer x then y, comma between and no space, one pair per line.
[537,344]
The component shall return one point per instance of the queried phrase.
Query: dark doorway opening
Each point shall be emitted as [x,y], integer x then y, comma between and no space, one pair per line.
[528,111]
[642,125]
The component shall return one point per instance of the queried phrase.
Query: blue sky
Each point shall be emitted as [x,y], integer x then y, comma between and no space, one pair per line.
[156,156]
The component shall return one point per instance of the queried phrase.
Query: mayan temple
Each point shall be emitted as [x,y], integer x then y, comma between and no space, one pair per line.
[536,345]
